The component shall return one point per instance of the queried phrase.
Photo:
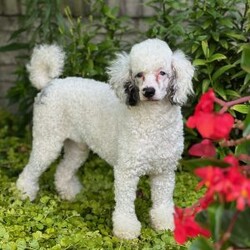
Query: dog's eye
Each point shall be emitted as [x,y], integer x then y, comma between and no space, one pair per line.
[162,73]
[139,75]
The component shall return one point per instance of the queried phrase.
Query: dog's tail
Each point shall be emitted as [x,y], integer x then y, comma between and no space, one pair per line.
[46,63]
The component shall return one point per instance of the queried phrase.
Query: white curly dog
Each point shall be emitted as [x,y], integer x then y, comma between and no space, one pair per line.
[134,123]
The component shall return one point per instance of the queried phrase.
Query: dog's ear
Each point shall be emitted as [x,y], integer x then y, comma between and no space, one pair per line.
[132,93]
[181,83]
[121,81]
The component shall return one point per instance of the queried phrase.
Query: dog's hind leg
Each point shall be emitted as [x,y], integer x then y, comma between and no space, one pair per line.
[43,153]
[66,181]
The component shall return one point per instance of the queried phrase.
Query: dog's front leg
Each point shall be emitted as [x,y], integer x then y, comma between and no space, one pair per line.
[162,187]
[125,222]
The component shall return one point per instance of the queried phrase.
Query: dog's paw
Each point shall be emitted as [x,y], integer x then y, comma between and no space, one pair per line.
[162,218]
[126,226]
[27,188]
[68,189]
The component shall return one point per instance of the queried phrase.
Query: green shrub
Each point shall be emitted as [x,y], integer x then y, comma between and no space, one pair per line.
[39,24]
[89,50]
[213,34]
[89,43]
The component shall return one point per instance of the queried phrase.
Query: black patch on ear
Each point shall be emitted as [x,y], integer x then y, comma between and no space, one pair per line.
[132,93]
[171,93]
[172,88]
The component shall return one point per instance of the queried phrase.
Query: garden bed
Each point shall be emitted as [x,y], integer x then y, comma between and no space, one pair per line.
[50,223]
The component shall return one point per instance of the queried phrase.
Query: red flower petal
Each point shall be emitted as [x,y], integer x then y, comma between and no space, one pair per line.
[180,234]
[223,125]
[191,122]
[205,124]
[186,226]
[232,160]
[206,103]
[205,148]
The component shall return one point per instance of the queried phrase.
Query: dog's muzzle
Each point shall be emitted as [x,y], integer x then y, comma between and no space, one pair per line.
[148,92]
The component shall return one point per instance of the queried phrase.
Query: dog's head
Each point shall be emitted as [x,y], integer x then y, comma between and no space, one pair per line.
[151,72]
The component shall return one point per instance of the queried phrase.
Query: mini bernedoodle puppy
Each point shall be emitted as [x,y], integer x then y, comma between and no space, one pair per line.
[134,123]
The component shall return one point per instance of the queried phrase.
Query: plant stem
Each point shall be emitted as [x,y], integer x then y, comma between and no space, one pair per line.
[218,245]
[230,143]
[226,105]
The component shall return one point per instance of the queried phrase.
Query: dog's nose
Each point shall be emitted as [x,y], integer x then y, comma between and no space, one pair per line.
[148,92]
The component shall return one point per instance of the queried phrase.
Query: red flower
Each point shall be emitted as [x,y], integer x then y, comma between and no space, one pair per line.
[223,124]
[205,148]
[186,226]
[232,160]
[209,175]
[243,198]
[210,125]
[206,103]
[204,202]
[238,188]
[228,183]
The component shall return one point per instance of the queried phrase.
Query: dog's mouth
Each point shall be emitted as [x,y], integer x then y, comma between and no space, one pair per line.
[150,99]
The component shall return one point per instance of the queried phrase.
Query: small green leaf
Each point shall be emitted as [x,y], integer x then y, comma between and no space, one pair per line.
[247,79]
[233,93]
[218,217]
[243,148]
[227,22]
[236,36]
[199,62]
[216,57]
[242,108]
[195,47]
[14,46]
[245,59]
[240,236]
[206,24]
[201,244]
[224,44]
[247,124]
[205,85]
[216,36]
[205,48]
[221,71]
[195,163]
[219,89]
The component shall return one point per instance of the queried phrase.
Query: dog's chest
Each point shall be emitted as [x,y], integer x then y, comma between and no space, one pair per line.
[153,140]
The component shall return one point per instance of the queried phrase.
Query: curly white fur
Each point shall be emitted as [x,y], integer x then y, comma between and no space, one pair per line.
[144,137]
[42,67]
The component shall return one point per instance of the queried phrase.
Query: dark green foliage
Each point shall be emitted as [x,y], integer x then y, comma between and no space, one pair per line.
[167,23]
[40,24]
[213,34]
[90,44]
[89,51]
[218,218]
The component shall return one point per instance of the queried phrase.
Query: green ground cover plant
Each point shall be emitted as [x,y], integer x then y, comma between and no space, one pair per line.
[50,223]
